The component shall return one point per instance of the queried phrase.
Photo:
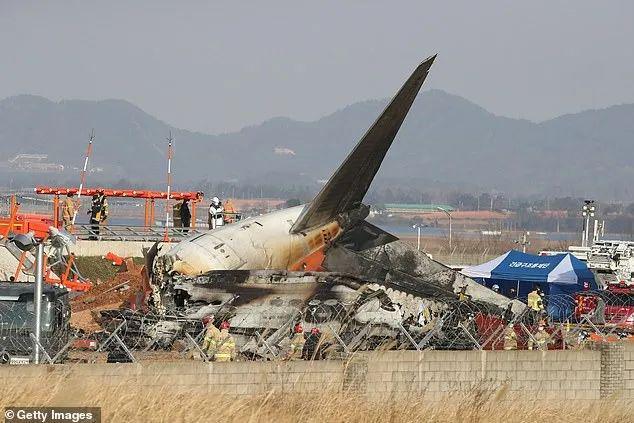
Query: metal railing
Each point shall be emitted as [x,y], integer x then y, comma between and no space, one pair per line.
[131,233]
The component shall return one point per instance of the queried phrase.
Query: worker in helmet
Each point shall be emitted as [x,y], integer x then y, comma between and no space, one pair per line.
[541,339]
[68,212]
[225,348]
[212,334]
[98,213]
[535,304]
[510,338]
[297,343]
[496,288]
[311,345]
[216,213]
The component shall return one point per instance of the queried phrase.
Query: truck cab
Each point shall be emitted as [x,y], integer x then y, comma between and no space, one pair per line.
[17,314]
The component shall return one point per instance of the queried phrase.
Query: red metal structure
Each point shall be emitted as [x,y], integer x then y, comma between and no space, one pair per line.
[22,223]
[149,196]
[38,224]
[67,278]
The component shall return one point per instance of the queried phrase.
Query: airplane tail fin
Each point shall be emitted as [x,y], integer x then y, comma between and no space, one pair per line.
[348,185]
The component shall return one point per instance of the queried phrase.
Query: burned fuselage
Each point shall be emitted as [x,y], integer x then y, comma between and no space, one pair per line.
[259,273]
[263,306]
[258,243]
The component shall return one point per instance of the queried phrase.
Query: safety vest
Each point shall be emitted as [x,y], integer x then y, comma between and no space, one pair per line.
[535,301]
[510,339]
[68,209]
[99,209]
[225,347]
[297,346]
[211,336]
[542,338]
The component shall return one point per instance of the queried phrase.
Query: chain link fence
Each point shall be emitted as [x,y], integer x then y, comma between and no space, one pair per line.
[328,330]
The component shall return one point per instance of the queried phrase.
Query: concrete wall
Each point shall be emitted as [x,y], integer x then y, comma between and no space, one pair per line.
[101,248]
[583,375]
[552,374]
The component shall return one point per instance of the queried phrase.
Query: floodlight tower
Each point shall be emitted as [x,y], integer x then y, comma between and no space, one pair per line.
[587,211]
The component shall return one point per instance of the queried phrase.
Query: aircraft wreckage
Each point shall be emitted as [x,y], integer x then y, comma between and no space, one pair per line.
[320,264]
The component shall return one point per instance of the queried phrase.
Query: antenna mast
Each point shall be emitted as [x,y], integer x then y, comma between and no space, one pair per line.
[169,185]
[82,178]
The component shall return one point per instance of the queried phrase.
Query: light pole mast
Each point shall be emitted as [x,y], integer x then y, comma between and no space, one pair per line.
[523,241]
[449,216]
[417,226]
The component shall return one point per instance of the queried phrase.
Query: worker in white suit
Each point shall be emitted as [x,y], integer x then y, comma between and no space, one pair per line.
[216,213]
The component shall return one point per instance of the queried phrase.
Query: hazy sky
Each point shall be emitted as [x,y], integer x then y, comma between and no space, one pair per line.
[216,66]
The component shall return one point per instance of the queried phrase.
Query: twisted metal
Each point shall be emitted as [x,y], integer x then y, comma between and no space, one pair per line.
[331,330]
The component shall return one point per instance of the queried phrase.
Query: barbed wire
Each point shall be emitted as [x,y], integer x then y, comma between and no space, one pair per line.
[330,329]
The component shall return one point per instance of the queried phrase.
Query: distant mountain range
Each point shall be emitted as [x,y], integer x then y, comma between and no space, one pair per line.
[445,141]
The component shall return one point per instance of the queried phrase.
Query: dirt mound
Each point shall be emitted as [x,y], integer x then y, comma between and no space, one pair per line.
[87,320]
[121,290]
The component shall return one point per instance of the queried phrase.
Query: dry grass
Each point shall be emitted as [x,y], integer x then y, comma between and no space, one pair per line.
[492,245]
[478,250]
[167,404]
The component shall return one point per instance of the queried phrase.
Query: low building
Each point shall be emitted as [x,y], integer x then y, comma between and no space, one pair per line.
[405,208]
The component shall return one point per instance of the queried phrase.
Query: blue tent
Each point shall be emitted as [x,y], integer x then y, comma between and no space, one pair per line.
[559,277]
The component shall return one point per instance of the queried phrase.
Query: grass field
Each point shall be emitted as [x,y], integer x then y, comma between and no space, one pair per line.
[167,404]
[477,250]
[95,267]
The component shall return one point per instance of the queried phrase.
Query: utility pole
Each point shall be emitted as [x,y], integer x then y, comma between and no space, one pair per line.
[523,241]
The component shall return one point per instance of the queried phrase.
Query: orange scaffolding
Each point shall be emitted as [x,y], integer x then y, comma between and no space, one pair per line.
[149,196]
[22,223]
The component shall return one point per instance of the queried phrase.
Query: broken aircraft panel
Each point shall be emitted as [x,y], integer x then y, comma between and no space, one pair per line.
[258,273]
